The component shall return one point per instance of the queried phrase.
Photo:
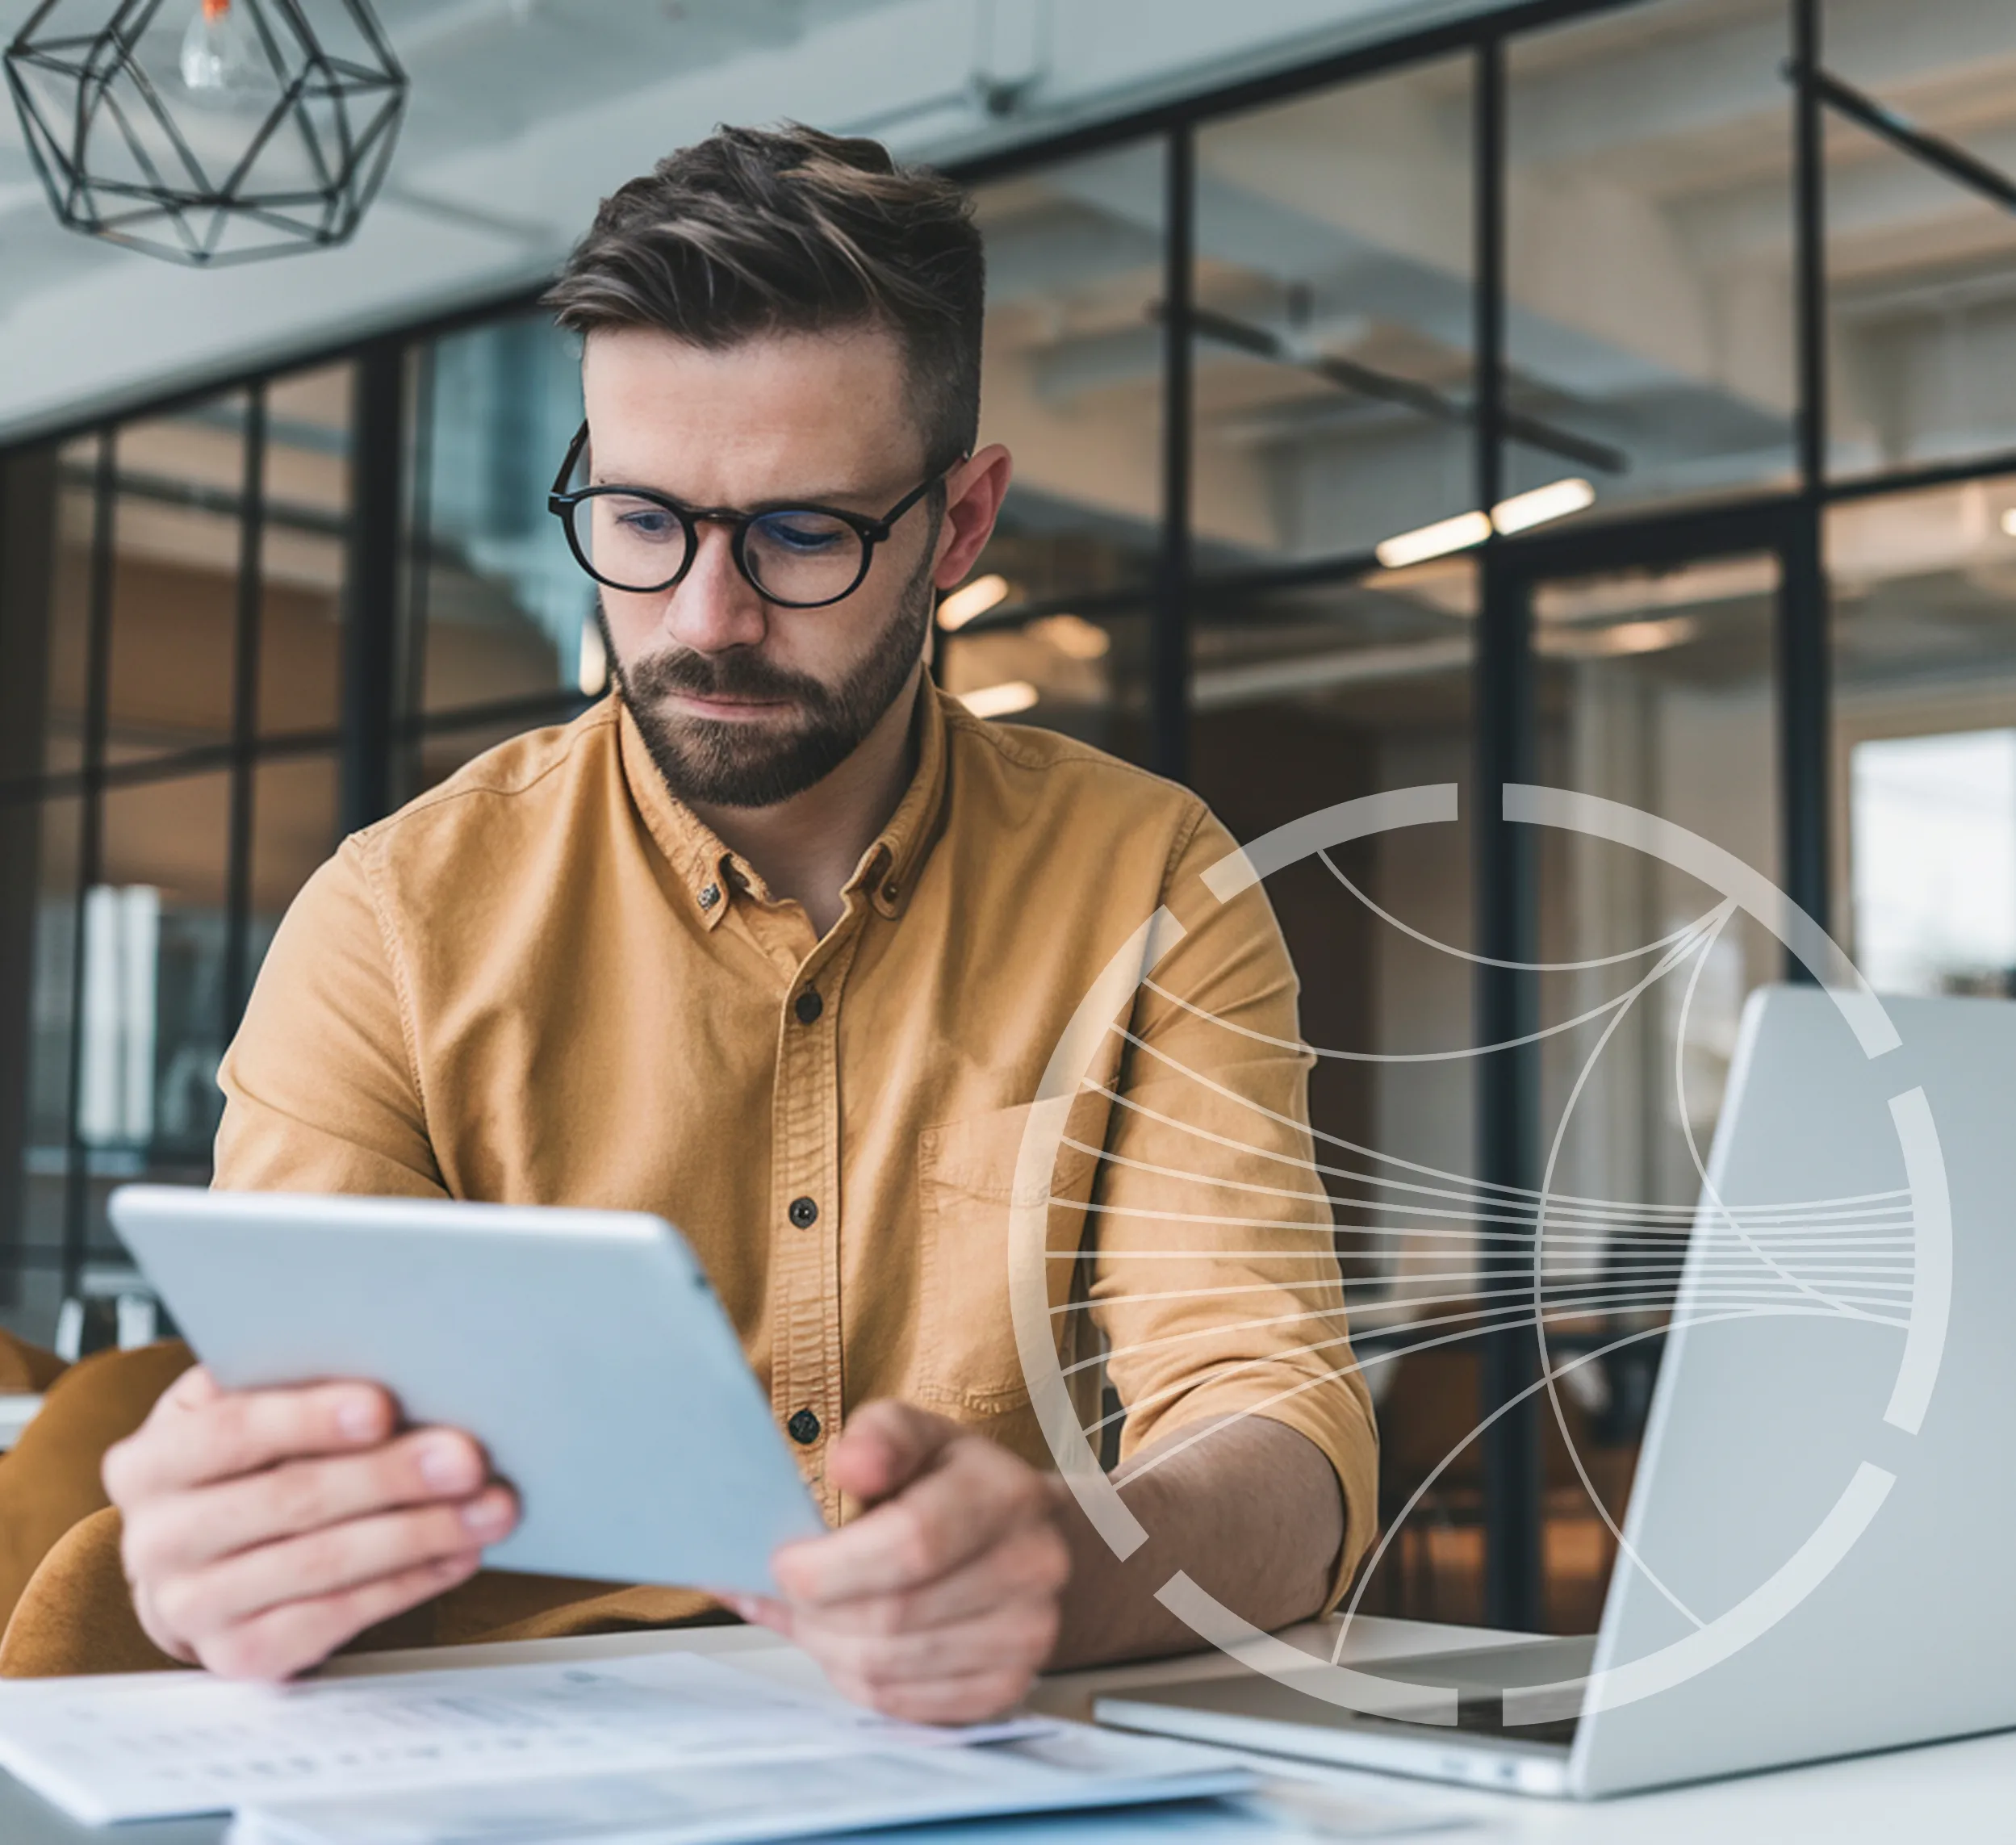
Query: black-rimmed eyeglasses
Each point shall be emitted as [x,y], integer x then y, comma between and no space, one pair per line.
[797,557]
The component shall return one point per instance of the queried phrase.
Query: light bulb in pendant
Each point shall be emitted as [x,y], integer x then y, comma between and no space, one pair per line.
[219,53]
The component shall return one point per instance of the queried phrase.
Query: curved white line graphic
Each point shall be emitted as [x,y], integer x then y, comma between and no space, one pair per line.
[1932,1268]
[1610,1684]
[1721,871]
[1247,864]
[1762,1610]
[1029,1301]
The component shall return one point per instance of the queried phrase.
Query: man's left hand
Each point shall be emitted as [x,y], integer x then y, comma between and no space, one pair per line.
[939,1604]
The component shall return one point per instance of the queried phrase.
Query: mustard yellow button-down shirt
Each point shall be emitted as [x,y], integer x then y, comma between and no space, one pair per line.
[545,981]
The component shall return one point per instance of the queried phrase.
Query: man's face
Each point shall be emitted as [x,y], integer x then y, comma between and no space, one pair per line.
[742,703]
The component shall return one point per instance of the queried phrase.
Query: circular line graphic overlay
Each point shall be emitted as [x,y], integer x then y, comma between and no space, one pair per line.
[1923,1209]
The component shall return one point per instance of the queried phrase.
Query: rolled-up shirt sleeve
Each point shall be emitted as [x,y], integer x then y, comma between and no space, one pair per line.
[1216,1281]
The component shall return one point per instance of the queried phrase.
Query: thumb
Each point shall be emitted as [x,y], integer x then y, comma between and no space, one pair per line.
[885,1446]
[195,1389]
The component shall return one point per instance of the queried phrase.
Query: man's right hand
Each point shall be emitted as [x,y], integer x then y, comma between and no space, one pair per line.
[264,1528]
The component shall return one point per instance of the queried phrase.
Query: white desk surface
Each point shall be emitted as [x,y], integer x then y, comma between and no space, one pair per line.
[1949,1793]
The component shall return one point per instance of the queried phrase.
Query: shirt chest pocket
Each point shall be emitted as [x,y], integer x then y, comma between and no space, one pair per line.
[974,1190]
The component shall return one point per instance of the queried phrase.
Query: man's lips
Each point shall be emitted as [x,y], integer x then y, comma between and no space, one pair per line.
[732,708]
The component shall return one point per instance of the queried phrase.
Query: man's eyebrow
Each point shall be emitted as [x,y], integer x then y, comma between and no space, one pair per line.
[838,496]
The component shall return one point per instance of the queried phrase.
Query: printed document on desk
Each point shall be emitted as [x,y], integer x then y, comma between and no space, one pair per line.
[158,1745]
[1071,1768]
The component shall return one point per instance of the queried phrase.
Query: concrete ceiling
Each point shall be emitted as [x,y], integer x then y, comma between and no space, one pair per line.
[1649,239]
[525,112]
[1649,251]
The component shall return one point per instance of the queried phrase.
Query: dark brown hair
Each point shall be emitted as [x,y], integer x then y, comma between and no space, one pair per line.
[756,230]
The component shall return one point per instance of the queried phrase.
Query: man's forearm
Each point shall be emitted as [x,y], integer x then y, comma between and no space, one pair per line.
[1253,1513]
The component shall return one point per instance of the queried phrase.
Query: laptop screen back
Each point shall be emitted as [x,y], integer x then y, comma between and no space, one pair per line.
[1815,1549]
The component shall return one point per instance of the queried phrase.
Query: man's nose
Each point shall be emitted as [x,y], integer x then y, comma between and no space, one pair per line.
[715,607]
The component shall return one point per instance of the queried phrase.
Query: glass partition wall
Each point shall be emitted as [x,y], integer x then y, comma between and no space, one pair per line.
[235,659]
[1604,395]
[1052,627]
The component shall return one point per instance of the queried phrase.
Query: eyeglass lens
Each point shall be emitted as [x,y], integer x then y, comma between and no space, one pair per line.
[792,556]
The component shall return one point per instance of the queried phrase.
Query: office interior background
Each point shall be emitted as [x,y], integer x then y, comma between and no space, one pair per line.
[1712,302]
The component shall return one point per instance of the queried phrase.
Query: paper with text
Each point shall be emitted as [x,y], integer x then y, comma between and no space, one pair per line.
[1074,1768]
[155,1745]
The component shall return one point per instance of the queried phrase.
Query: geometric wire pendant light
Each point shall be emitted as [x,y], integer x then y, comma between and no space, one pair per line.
[208,130]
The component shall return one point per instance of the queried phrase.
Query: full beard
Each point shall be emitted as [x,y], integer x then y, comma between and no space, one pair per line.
[756,762]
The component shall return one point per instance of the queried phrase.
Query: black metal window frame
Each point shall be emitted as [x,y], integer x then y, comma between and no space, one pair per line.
[374,736]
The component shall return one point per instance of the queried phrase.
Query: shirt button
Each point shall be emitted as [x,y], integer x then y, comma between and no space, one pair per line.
[809,1007]
[804,1213]
[805,1428]
[709,896]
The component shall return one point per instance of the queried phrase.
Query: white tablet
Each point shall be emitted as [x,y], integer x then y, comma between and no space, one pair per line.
[583,1349]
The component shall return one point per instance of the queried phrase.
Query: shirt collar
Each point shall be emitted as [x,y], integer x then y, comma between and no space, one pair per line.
[889,867]
[709,870]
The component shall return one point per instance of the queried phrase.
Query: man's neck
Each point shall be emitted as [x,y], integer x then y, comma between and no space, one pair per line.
[806,847]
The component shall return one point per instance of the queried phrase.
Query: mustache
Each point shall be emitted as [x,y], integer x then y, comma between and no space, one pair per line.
[739,673]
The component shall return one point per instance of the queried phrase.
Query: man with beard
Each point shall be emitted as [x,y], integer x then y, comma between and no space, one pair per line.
[777,942]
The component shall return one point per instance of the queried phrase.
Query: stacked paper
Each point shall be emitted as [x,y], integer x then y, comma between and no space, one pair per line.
[1072,1767]
[673,1748]
[157,1745]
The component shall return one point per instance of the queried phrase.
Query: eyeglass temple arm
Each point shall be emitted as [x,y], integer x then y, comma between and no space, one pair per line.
[566,467]
[879,532]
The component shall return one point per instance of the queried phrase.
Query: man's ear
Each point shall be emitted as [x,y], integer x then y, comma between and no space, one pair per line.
[973,493]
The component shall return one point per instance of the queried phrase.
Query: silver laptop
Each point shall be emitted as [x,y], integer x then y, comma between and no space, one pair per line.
[1815,1558]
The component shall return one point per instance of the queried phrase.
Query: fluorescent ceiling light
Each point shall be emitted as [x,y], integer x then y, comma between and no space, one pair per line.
[1073,637]
[1653,636]
[2008,521]
[1520,513]
[1625,638]
[1435,540]
[971,599]
[1556,500]
[1002,701]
